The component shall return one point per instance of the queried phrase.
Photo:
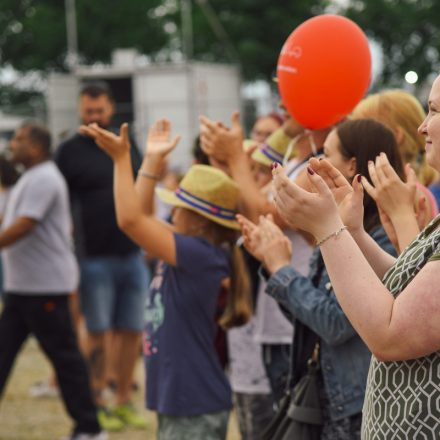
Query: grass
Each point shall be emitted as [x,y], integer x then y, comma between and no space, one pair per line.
[26,418]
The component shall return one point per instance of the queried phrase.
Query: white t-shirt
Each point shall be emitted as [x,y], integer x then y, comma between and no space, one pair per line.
[271,326]
[42,262]
[247,371]
[4,196]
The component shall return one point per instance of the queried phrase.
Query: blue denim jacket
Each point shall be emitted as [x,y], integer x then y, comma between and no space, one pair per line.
[345,358]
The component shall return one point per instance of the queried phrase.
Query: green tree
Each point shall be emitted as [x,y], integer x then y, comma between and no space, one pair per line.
[256,29]
[26,103]
[34,31]
[407,30]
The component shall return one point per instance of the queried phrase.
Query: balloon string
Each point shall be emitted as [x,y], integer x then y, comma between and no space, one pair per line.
[290,148]
[312,141]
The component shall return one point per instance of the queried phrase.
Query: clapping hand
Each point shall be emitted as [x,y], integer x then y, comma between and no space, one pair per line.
[349,198]
[219,142]
[251,237]
[266,242]
[116,146]
[159,139]
[392,195]
[334,179]
[402,207]
[313,212]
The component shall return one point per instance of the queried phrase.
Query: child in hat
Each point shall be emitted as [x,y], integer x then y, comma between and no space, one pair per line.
[186,384]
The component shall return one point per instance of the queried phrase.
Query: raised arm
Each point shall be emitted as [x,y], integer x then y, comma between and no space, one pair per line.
[148,232]
[317,309]
[394,329]
[379,260]
[226,145]
[159,144]
[350,205]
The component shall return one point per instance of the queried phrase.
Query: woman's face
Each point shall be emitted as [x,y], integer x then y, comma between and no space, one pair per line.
[263,128]
[262,174]
[332,152]
[430,127]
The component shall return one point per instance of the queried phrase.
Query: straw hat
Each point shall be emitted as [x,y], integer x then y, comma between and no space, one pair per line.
[248,144]
[273,149]
[207,191]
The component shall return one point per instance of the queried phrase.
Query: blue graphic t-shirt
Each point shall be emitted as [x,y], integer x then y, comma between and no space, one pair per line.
[184,375]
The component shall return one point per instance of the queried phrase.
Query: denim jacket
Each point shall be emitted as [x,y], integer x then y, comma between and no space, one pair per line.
[344,357]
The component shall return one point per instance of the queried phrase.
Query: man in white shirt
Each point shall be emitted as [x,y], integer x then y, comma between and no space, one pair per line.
[39,273]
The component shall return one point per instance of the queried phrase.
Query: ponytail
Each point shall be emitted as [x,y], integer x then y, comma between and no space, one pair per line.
[238,309]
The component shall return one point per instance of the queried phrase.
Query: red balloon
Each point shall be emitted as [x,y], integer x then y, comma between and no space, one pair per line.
[324,70]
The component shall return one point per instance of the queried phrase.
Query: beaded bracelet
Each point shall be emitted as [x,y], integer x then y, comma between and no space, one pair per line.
[333,234]
[147,175]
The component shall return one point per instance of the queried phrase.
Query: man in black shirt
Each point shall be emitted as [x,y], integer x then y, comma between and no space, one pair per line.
[114,277]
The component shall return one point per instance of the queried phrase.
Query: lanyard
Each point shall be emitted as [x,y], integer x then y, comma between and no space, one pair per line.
[303,162]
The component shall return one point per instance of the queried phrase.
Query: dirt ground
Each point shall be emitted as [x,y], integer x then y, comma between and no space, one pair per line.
[25,418]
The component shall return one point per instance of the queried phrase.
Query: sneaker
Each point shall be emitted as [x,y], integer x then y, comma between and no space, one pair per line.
[108,420]
[43,389]
[83,436]
[127,413]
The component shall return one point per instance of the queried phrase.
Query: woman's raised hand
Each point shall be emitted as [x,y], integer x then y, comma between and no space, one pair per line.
[159,140]
[349,198]
[334,179]
[220,142]
[400,201]
[392,195]
[115,146]
[313,212]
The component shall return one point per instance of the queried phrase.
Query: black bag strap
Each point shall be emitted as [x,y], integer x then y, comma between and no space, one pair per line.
[300,412]
[294,347]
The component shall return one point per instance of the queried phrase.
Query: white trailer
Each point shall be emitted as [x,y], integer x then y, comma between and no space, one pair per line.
[180,92]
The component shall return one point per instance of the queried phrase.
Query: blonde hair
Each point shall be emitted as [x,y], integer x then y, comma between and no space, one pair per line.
[402,113]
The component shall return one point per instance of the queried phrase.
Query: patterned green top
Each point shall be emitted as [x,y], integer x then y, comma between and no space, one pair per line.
[402,398]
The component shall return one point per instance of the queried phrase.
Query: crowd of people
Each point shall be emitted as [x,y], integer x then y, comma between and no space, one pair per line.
[291,246]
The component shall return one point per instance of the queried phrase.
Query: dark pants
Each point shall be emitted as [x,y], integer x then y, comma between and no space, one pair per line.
[48,319]
[276,358]
[254,413]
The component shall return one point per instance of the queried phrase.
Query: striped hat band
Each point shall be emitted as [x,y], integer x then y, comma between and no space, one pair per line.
[203,205]
[272,154]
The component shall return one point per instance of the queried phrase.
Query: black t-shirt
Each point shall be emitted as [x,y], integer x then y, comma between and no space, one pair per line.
[89,174]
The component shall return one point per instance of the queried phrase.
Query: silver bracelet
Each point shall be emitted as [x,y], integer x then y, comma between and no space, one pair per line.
[333,234]
[147,175]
